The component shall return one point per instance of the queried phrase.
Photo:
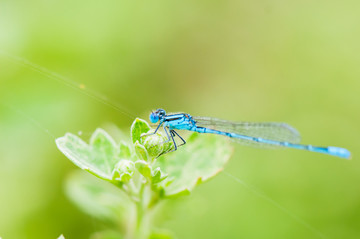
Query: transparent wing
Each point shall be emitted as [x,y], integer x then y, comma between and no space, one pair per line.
[268,130]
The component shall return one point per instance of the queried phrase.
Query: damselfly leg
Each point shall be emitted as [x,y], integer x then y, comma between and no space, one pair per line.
[175,133]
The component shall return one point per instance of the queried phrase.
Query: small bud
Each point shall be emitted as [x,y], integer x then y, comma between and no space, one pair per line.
[124,170]
[156,144]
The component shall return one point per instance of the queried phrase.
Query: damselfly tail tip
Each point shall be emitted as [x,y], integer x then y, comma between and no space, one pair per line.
[340,152]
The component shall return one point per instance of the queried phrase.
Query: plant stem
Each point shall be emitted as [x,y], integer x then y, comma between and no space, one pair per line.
[144,200]
[140,206]
[140,228]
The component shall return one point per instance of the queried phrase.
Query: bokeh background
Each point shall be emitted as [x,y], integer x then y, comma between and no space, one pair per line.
[291,61]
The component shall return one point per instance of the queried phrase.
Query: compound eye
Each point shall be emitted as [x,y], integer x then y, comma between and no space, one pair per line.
[154,117]
[161,112]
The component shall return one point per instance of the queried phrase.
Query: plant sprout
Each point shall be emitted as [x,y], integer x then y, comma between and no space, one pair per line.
[142,179]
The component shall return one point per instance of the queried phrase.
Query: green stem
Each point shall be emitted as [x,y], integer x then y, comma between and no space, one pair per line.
[154,201]
[140,227]
[145,201]
[140,206]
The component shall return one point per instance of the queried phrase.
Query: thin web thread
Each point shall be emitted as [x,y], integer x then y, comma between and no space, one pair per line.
[29,118]
[65,81]
[104,100]
[39,126]
[70,83]
[257,192]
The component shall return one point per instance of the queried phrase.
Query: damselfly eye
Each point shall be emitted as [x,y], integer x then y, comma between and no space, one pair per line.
[161,112]
[154,117]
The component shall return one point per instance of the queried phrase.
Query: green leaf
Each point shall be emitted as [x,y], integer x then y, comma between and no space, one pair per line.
[200,159]
[138,127]
[140,151]
[98,198]
[125,152]
[105,150]
[157,175]
[144,168]
[98,158]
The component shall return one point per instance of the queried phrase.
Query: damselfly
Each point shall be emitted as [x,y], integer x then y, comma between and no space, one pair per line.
[257,134]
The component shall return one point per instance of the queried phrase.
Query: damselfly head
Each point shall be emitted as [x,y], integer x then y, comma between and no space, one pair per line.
[157,115]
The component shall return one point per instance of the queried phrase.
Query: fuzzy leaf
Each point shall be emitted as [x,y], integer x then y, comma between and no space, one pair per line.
[138,127]
[140,151]
[143,168]
[125,152]
[153,175]
[104,150]
[157,176]
[98,198]
[98,158]
[200,159]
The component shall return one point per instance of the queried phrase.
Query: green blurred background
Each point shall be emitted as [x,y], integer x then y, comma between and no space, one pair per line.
[291,61]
